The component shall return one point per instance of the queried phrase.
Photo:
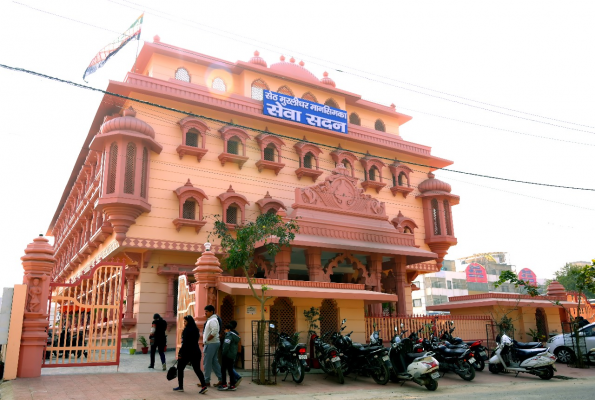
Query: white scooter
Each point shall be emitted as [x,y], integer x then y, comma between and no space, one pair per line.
[538,362]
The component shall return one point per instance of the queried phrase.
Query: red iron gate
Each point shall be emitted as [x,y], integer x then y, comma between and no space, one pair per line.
[85,319]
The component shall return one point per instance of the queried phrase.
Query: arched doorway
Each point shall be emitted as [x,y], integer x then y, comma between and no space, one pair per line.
[227,310]
[541,322]
[283,313]
[329,316]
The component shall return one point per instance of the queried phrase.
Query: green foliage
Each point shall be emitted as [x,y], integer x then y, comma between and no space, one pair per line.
[569,277]
[312,316]
[295,338]
[143,341]
[536,335]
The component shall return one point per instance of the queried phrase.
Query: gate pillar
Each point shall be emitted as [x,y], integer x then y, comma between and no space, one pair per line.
[38,263]
[206,272]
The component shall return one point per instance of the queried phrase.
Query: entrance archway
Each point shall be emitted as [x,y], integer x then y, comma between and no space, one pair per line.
[329,316]
[541,322]
[283,313]
[227,310]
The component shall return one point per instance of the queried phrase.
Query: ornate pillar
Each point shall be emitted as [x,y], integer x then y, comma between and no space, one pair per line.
[375,270]
[169,311]
[206,273]
[314,264]
[282,261]
[38,263]
[131,273]
[401,278]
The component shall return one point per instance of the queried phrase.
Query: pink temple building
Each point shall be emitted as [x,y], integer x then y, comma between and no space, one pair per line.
[148,181]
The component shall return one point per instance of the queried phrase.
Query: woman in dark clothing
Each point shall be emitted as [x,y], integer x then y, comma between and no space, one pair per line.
[158,340]
[190,353]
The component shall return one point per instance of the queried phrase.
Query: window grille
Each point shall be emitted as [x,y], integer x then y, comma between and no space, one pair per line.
[257,89]
[346,163]
[447,217]
[379,126]
[283,312]
[269,153]
[373,173]
[285,90]
[129,170]
[182,75]
[227,310]
[310,97]
[416,302]
[402,178]
[192,139]
[272,211]
[331,103]
[189,209]
[233,147]
[354,119]
[407,230]
[113,166]
[218,84]
[308,160]
[436,217]
[232,215]
[329,316]
[143,181]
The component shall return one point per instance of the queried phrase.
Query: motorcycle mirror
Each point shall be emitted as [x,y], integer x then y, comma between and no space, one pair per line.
[402,325]
[272,326]
[343,322]
[396,330]
[452,323]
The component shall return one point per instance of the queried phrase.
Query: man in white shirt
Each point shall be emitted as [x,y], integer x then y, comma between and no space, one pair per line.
[211,343]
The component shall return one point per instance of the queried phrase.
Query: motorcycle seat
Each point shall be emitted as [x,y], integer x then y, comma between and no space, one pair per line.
[451,352]
[526,353]
[413,356]
[527,345]
[455,346]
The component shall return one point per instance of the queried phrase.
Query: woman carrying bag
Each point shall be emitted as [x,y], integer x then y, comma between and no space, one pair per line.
[190,353]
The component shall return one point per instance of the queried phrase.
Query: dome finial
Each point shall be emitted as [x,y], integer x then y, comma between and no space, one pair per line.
[156,39]
[326,80]
[292,60]
[282,58]
[302,63]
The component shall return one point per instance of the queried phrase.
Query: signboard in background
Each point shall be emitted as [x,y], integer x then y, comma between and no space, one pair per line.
[476,273]
[305,112]
[529,276]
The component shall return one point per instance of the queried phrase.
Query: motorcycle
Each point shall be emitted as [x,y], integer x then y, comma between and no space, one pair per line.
[361,359]
[328,357]
[452,358]
[421,368]
[290,358]
[480,353]
[507,357]
[65,339]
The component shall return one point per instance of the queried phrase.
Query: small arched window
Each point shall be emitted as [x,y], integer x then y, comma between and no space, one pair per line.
[232,214]
[402,179]
[189,209]
[112,169]
[331,103]
[143,182]
[308,160]
[219,84]
[373,173]
[436,217]
[258,86]
[310,97]
[192,138]
[407,230]
[447,217]
[285,90]
[347,164]
[379,125]
[130,167]
[233,145]
[182,75]
[354,119]
[269,152]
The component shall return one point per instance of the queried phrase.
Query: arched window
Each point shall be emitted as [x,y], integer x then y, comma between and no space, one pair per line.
[379,125]
[219,84]
[283,313]
[331,103]
[310,97]
[182,75]
[308,160]
[130,167]
[373,173]
[113,166]
[269,152]
[347,164]
[271,211]
[329,316]
[447,217]
[354,119]
[232,214]
[257,89]
[402,179]
[189,209]
[233,145]
[143,177]
[436,217]
[285,90]
[407,230]
[192,138]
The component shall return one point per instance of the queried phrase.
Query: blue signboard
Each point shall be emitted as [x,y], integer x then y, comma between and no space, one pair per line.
[304,111]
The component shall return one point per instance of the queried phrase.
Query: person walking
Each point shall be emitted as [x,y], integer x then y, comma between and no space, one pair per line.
[228,356]
[211,343]
[234,325]
[190,353]
[158,340]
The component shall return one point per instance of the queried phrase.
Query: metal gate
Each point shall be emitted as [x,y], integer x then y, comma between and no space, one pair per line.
[186,301]
[85,319]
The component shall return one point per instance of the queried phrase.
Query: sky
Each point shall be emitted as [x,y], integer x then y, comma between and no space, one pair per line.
[502,88]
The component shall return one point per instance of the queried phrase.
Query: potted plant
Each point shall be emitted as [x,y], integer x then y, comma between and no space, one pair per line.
[132,351]
[312,317]
[145,346]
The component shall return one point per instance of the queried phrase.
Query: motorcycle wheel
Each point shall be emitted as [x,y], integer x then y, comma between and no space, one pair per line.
[274,369]
[468,373]
[547,374]
[297,372]
[340,376]
[431,385]
[381,374]
[479,365]
[495,368]
[393,377]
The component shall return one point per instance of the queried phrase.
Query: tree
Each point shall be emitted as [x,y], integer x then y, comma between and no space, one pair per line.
[568,276]
[272,232]
[584,282]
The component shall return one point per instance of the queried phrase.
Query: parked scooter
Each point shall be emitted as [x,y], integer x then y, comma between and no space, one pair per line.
[421,368]
[480,353]
[507,357]
[328,357]
[361,359]
[456,359]
[290,358]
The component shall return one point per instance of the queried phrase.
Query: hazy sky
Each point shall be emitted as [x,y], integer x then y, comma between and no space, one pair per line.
[535,57]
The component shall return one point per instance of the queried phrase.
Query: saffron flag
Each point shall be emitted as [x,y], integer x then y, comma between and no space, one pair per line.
[104,54]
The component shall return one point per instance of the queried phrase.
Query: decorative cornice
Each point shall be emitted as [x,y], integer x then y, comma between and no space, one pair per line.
[158,244]
[283,282]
